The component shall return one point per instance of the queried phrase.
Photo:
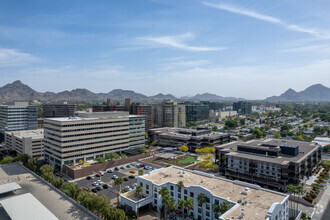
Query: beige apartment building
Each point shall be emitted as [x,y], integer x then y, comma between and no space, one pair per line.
[30,142]
[91,135]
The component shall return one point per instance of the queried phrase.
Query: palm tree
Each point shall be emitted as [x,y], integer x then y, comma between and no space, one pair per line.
[118,182]
[181,204]
[216,209]
[165,193]
[138,190]
[180,185]
[291,190]
[298,191]
[225,206]
[189,204]
[201,198]
[172,206]
[140,172]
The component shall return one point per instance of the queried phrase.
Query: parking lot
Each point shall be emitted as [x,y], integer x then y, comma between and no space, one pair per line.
[108,179]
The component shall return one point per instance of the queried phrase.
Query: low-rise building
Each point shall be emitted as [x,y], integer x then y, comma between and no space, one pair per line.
[192,138]
[30,142]
[217,116]
[247,201]
[91,135]
[271,163]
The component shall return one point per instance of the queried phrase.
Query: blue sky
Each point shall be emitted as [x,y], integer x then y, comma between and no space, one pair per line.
[242,48]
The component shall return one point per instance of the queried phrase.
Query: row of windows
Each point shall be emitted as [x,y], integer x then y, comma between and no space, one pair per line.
[86,124]
[85,129]
[84,134]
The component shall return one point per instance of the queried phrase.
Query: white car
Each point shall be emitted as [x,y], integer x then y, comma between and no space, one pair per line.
[101,173]
[134,185]
[127,188]
[99,182]
[110,170]
[95,183]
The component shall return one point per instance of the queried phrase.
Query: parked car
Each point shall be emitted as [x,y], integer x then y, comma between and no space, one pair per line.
[114,177]
[131,177]
[97,175]
[128,166]
[101,173]
[116,168]
[99,188]
[122,167]
[95,184]
[105,186]
[110,170]
[127,188]
[125,179]
[133,164]
[99,182]
[94,190]
[141,165]
[134,185]
[89,178]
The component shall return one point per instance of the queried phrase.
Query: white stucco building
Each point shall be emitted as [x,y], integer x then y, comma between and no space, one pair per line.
[248,201]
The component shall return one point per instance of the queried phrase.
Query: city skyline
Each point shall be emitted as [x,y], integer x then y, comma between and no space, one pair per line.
[229,48]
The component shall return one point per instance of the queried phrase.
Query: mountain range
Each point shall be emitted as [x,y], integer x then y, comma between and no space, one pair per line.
[314,93]
[17,91]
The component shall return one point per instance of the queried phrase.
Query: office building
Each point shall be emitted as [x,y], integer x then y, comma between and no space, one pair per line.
[242,107]
[217,116]
[214,105]
[131,107]
[196,112]
[271,163]
[91,135]
[58,110]
[30,142]
[192,138]
[169,114]
[247,201]
[20,116]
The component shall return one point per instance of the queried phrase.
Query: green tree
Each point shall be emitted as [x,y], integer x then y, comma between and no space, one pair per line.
[189,204]
[181,204]
[72,190]
[138,190]
[112,156]
[47,173]
[59,183]
[326,149]
[216,209]
[277,135]
[6,160]
[118,182]
[144,150]
[166,197]
[242,121]
[172,206]
[201,198]
[257,133]
[231,124]
[32,164]
[180,185]
[214,128]
[141,172]
[225,206]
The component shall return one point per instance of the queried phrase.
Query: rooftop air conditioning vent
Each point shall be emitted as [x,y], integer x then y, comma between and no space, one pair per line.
[245,191]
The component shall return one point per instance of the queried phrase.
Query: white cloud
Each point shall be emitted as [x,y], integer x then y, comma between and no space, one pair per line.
[267,18]
[12,57]
[178,42]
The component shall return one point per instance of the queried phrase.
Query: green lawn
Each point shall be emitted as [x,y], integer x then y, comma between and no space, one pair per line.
[188,160]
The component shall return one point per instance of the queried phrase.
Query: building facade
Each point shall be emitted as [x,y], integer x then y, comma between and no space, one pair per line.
[196,112]
[217,116]
[176,137]
[271,163]
[30,142]
[20,116]
[58,110]
[242,107]
[246,200]
[169,114]
[91,135]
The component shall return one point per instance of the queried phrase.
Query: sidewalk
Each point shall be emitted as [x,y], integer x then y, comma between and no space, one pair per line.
[323,207]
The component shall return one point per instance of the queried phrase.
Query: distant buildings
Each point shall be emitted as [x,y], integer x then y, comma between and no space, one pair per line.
[20,116]
[58,110]
[247,201]
[131,107]
[196,112]
[214,105]
[216,116]
[271,163]
[192,138]
[261,109]
[30,142]
[242,107]
[169,114]
[91,135]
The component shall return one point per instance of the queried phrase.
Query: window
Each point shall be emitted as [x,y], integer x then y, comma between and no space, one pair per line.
[191,194]
[147,191]
[185,197]
[216,201]
[207,213]
[179,196]
[155,189]
[155,195]
[172,187]
[199,210]
[207,206]
[147,186]
[141,184]
[207,200]
[155,201]
[172,194]
[185,192]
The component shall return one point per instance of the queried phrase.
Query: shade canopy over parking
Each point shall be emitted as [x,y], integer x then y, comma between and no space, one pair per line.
[26,206]
[9,187]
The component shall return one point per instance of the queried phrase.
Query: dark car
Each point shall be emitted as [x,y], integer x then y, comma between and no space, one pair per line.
[94,190]
[141,165]
[128,166]
[89,178]
[116,168]
[131,177]
[105,186]
[125,179]
[97,175]
[99,188]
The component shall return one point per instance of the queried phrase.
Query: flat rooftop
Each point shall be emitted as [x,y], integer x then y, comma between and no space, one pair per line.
[258,200]
[53,201]
[37,133]
[187,133]
[305,148]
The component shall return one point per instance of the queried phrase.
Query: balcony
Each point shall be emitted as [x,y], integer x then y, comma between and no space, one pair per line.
[135,201]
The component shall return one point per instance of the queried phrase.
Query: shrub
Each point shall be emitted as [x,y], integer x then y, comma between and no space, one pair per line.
[6,160]
[308,199]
